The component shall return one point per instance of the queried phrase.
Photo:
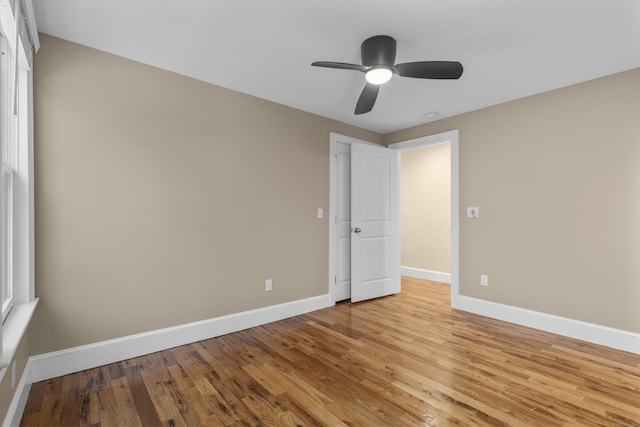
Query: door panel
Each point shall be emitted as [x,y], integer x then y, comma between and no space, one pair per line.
[375,234]
[373,249]
[375,194]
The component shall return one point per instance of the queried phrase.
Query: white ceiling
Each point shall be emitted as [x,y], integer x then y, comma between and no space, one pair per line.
[509,48]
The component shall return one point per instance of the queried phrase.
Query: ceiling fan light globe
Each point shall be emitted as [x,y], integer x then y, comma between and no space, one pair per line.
[378,75]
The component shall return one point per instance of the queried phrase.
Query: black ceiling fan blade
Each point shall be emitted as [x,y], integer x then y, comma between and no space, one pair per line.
[338,65]
[430,69]
[367,98]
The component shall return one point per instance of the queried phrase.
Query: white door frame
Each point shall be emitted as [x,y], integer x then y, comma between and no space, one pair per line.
[452,138]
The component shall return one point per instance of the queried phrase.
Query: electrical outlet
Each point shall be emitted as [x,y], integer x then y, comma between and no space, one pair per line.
[473,212]
[484,280]
[268,285]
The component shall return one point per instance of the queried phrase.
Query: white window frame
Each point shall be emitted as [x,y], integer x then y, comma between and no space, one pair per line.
[18,164]
[8,137]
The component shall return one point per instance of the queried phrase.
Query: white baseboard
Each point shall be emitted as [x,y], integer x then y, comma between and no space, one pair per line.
[597,334]
[63,362]
[419,273]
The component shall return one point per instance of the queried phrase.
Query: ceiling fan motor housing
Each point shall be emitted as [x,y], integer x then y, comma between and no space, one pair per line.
[378,50]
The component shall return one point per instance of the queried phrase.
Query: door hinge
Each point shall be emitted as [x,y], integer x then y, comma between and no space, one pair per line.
[335,279]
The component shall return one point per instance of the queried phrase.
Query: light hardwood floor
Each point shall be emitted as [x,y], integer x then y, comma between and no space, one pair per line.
[407,359]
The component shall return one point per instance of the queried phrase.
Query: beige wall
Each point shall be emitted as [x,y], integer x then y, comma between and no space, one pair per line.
[162,200]
[425,207]
[557,179]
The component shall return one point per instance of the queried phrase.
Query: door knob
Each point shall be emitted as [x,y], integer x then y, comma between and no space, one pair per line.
[356,230]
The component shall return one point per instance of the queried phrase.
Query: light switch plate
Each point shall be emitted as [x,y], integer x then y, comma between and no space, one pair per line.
[473,212]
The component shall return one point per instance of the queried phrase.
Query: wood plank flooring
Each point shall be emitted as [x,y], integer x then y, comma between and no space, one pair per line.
[403,360]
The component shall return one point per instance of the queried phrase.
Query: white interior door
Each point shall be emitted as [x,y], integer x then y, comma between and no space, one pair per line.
[375,226]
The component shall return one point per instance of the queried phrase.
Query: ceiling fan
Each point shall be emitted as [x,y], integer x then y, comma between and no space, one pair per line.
[378,58]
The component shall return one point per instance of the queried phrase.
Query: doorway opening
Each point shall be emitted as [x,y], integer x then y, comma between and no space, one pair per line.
[425,212]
